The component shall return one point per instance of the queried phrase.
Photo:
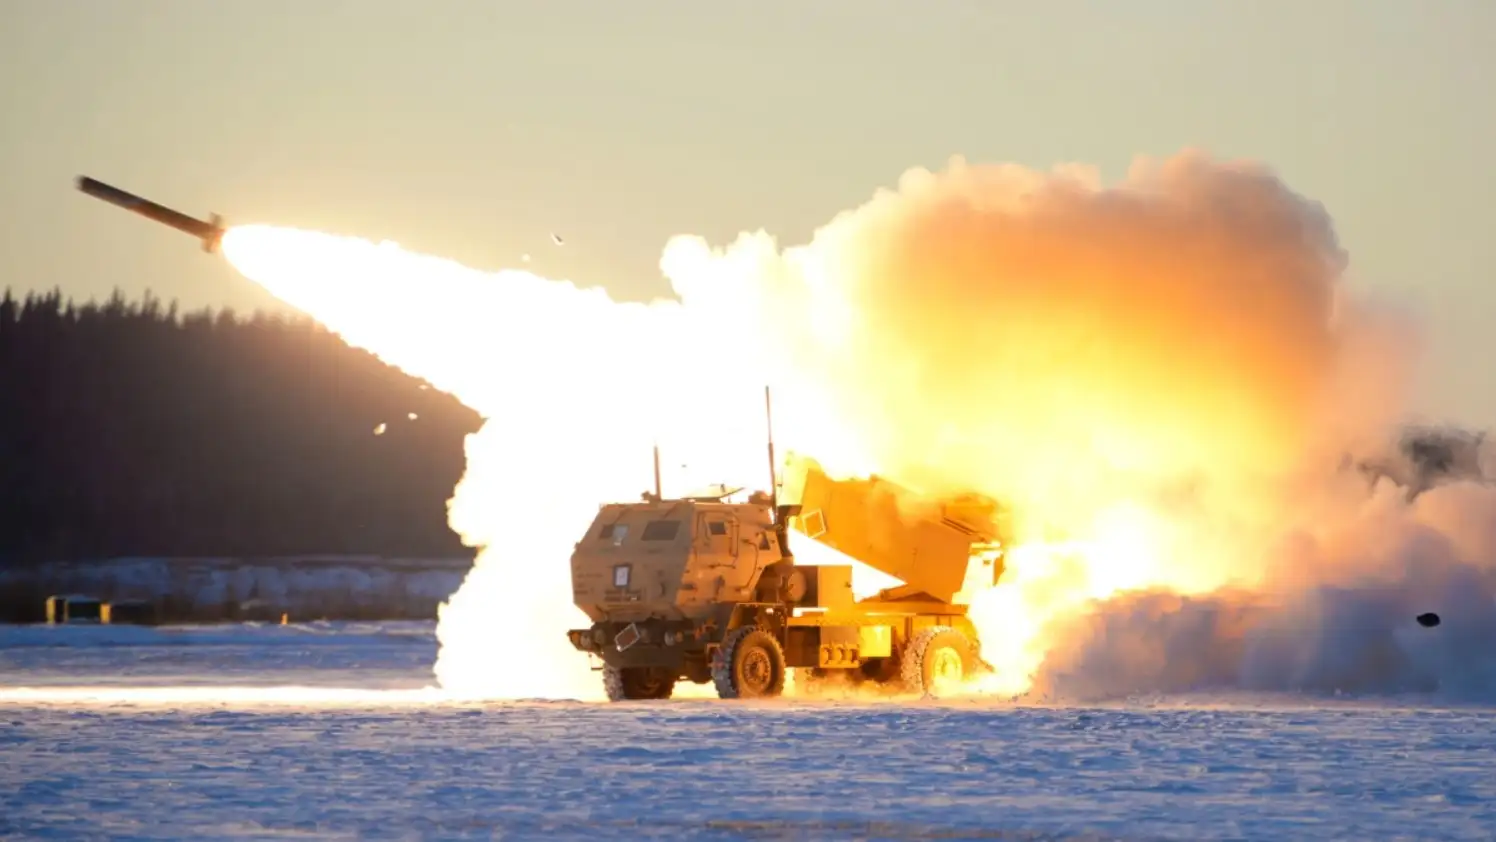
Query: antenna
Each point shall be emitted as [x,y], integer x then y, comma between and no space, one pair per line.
[773,466]
[658,495]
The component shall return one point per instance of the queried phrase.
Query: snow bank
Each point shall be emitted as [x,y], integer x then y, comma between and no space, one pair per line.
[231,589]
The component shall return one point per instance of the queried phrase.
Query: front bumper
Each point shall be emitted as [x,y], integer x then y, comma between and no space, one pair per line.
[613,641]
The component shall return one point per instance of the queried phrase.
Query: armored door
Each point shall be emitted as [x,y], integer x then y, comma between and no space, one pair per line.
[717,537]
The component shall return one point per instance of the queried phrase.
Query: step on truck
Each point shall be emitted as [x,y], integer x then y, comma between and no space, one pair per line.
[703,590]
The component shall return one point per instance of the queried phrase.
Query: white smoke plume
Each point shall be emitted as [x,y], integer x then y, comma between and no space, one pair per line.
[1335,615]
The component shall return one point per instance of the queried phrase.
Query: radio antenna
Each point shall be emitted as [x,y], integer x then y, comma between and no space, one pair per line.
[658,495]
[773,465]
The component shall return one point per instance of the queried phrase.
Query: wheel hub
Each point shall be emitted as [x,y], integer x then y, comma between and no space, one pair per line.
[757,672]
[946,670]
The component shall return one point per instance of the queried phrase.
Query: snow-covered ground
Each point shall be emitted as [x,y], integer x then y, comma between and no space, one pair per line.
[362,655]
[192,733]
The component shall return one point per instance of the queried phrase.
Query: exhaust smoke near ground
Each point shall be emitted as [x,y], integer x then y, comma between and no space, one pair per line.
[1163,378]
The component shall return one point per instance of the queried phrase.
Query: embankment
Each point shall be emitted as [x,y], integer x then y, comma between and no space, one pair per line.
[208,590]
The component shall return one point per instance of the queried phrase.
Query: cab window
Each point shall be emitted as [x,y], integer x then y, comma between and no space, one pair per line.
[614,532]
[661,530]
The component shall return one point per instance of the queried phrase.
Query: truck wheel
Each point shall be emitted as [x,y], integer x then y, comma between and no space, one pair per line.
[633,683]
[936,661]
[749,665]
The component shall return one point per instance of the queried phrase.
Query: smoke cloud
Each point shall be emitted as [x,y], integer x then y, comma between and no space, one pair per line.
[1165,378]
[1033,334]
[1337,616]
[1168,380]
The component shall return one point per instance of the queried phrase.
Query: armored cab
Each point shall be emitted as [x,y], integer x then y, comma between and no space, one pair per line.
[658,577]
[671,560]
[705,590]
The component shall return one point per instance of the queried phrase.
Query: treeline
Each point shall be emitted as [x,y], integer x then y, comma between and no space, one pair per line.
[130,429]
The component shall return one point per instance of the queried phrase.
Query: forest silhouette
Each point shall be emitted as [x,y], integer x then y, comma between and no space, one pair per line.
[130,429]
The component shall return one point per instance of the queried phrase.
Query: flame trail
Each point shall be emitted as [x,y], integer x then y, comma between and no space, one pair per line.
[575,387]
[1160,376]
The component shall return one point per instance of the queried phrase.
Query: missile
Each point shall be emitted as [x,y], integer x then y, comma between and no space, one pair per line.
[210,230]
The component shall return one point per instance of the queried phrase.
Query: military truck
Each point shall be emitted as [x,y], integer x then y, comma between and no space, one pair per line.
[705,590]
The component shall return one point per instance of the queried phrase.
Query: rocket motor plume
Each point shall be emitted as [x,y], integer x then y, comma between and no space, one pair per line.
[1158,376]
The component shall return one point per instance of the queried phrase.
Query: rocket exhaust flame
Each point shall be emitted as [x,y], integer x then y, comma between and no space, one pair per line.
[1160,377]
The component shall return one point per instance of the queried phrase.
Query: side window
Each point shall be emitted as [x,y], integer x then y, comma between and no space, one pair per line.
[614,532]
[661,530]
[716,528]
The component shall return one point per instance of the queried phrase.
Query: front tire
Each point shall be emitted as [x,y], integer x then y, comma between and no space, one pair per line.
[749,665]
[637,683]
[937,661]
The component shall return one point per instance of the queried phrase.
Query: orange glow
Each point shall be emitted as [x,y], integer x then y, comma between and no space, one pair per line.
[1141,371]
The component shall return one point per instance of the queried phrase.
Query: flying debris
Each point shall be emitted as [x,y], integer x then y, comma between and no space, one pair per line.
[1429,620]
[210,231]
[379,431]
[556,238]
[412,416]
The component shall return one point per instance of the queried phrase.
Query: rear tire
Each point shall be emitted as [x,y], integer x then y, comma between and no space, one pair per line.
[937,661]
[637,683]
[749,665]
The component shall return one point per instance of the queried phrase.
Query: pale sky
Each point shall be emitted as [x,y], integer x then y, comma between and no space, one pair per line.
[475,129]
